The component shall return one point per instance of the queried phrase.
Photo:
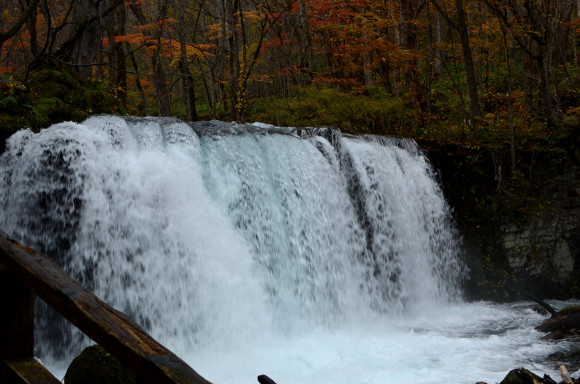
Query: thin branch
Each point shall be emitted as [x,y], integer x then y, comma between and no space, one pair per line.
[20,22]
[443,12]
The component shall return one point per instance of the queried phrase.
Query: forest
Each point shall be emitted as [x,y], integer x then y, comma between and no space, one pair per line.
[481,72]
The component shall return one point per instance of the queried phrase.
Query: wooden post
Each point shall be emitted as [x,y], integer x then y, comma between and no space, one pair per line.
[24,271]
[16,323]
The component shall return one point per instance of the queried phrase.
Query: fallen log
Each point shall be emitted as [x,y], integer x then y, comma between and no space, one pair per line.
[547,306]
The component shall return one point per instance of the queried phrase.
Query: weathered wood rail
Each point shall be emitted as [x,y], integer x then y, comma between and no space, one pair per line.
[24,274]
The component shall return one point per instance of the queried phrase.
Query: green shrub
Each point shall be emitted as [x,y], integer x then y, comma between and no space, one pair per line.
[8,103]
[349,111]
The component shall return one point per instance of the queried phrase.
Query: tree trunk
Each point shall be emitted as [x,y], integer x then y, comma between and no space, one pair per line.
[410,43]
[85,39]
[86,45]
[209,88]
[234,45]
[138,83]
[509,104]
[189,89]
[186,78]
[31,26]
[468,61]
[529,84]
[307,38]
[440,56]
[545,92]
[159,82]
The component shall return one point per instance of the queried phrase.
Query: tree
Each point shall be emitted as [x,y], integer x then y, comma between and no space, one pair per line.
[115,25]
[535,26]
[409,14]
[460,25]
[21,19]
[85,37]
[186,77]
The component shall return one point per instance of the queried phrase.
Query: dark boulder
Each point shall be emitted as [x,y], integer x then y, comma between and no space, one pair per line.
[94,365]
[523,376]
[263,379]
[520,376]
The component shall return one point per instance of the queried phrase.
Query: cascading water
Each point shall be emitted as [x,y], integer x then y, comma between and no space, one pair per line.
[223,237]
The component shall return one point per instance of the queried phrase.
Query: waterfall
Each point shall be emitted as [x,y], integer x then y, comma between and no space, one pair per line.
[211,234]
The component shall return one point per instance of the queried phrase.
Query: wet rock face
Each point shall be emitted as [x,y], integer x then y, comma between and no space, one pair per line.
[519,233]
[542,249]
[546,248]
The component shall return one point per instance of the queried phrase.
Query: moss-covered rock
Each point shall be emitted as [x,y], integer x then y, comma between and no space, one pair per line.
[92,101]
[96,366]
[564,324]
[571,310]
[50,83]
[49,110]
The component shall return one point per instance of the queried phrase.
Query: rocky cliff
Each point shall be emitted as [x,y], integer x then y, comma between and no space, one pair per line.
[521,229]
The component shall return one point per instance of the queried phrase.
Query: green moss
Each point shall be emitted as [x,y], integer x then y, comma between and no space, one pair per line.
[571,310]
[8,103]
[575,288]
[53,83]
[98,101]
[49,110]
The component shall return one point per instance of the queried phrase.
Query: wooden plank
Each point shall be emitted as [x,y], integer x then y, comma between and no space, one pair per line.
[16,322]
[29,371]
[112,329]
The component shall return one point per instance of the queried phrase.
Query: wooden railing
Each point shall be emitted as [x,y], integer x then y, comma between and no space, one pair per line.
[24,273]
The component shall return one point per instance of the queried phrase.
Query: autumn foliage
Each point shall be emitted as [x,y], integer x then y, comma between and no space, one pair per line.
[459,69]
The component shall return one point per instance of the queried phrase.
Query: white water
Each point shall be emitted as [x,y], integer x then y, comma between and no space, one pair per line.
[463,343]
[249,250]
